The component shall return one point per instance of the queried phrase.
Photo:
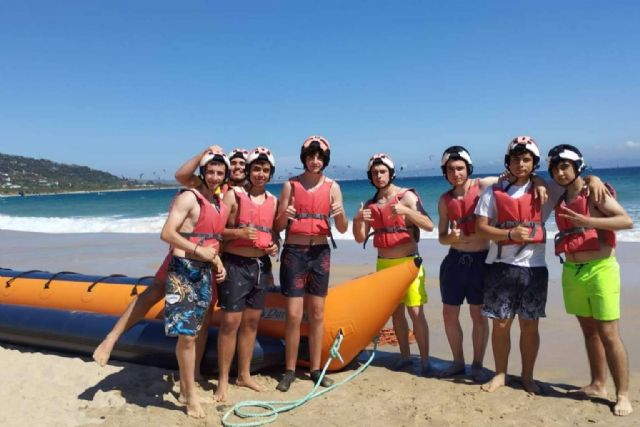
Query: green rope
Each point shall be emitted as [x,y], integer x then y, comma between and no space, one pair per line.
[274,407]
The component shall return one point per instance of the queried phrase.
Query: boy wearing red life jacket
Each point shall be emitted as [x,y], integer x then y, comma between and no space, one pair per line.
[194,230]
[140,305]
[516,278]
[396,216]
[307,203]
[591,274]
[462,270]
[249,241]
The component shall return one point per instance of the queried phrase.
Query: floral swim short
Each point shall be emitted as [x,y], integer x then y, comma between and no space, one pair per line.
[188,296]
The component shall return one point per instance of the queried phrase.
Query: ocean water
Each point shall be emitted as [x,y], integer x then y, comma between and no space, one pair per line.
[144,211]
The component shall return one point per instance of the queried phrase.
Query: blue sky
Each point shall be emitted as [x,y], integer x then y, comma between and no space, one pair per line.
[138,87]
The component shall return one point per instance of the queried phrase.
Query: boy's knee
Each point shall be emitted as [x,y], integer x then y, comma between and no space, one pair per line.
[316,315]
[187,340]
[229,324]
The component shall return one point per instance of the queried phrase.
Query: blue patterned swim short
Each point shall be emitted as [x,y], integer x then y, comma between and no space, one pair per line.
[188,296]
[510,290]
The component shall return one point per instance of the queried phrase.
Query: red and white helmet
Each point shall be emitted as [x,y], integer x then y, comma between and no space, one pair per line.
[260,153]
[239,152]
[523,143]
[215,156]
[311,143]
[384,159]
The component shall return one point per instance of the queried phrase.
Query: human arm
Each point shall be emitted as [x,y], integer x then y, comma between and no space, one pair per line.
[220,271]
[413,211]
[185,174]
[180,211]
[614,216]
[286,211]
[488,181]
[337,209]
[597,188]
[446,236]
[361,224]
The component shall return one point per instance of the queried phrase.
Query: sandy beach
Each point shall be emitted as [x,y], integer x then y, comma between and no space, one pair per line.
[50,389]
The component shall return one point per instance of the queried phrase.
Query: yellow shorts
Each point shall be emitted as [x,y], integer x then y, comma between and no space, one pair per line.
[416,294]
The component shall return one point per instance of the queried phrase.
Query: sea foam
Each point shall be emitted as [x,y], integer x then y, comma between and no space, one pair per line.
[153,224]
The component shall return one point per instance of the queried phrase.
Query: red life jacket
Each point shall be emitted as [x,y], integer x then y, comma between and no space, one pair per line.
[313,210]
[211,222]
[390,230]
[570,238]
[258,216]
[461,209]
[525,210]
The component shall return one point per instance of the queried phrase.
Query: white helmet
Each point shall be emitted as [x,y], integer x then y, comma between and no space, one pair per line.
[384,159]
[261,153]
[217,156]
[238,152]
[527,143]
[456,152]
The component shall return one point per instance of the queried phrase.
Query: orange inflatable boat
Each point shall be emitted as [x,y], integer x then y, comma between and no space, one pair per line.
[359,307]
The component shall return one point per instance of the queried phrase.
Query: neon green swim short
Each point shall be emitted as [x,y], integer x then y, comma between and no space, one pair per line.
[416,294]
[592,289]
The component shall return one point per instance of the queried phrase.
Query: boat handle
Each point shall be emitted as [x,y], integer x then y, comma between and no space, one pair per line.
[19,275]
[134,290]
[55,275]
[91,286]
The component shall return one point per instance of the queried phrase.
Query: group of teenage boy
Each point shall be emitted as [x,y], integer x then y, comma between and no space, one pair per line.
[224,227]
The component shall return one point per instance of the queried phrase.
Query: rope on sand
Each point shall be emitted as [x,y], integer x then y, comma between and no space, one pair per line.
[274,407]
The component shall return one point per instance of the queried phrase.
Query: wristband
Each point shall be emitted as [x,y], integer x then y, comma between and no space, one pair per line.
[509,235]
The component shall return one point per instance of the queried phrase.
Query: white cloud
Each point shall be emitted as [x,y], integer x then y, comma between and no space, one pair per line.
[632,144]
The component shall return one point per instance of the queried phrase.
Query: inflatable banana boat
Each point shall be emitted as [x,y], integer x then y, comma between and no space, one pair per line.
[358,308]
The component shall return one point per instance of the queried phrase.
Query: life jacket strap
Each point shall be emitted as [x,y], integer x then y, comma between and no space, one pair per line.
[386,230]
[203,236]
[256,226]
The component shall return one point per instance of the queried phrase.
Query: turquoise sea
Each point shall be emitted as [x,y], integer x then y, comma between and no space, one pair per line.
[144,211]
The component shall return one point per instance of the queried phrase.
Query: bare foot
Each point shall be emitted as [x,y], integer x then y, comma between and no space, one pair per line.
[592,391]
[623,406]
[182,399]
[456,368]
[221,393]
[499,380]
[250,383]
[194,409]
[102,353]
[530,386]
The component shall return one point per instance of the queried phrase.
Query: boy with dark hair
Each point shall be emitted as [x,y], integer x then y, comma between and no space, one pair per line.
[591,274]
[396,216]
[307,203]
[194,230]
[249,241]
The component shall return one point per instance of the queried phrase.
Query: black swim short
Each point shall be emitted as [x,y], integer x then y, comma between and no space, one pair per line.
[462,276]
[246,283]
[511,290]
[304,269]
[188,296]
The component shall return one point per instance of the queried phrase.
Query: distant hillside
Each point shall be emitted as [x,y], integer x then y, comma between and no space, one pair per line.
[27,176]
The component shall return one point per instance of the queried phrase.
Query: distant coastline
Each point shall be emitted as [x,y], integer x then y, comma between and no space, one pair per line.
[110,190]
[168,185]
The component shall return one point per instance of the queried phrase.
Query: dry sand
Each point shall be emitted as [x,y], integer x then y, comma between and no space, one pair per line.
[49,389]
